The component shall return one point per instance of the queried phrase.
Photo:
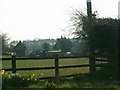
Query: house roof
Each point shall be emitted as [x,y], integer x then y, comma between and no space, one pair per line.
[20,46]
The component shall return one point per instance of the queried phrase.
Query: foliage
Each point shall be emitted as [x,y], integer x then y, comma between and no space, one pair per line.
[100,79]
[37,44]
[63,44]
[36,53]
[103,32]
[102,36]
[16,80]
[46,46]
[45,49]
[100,32]
[40,48]
[4,43]
[12,44]
[79,48]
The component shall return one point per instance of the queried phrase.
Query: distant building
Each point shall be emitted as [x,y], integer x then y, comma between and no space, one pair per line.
[51,53]
[119,9]
[20,49]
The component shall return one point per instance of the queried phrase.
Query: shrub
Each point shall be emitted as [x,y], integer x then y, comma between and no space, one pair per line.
[50,85]
[16,80]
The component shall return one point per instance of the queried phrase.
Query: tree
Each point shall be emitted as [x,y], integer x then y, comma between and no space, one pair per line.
[4,42]
[12,44]
[83,24]
[57,45]
[45,49]
[63,44]
[100,33]
[79,48]
[36,53]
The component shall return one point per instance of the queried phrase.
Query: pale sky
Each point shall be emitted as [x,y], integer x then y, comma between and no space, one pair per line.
[30,19]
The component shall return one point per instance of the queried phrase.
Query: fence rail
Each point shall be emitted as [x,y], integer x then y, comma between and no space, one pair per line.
[56,63]
[40,58]
[46,68]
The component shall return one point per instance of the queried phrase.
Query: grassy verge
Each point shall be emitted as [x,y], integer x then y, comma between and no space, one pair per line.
[108,84]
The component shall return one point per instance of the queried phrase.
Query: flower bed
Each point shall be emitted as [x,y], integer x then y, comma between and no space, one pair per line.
[16,80]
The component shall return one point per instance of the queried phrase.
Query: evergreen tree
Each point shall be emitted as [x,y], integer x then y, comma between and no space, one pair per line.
[63,44]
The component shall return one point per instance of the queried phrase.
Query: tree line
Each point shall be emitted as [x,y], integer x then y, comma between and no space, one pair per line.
[45,47]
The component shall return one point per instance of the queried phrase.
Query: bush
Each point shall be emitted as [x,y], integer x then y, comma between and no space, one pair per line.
[50,85]
[15,80]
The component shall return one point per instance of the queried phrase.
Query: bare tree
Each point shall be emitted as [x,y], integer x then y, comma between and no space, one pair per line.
[4,42]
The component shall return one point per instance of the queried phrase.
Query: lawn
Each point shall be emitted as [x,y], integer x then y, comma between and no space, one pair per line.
[49,63]
[5,56]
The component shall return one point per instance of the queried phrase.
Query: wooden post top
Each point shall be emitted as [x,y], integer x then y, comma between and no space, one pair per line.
[88,0]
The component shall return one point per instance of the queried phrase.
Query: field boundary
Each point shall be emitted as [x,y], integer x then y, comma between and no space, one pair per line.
[56,63]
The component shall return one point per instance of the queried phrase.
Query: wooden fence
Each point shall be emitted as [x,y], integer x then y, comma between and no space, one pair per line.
[56,63]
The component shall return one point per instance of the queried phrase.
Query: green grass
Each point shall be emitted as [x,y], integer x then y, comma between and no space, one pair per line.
[96,85]
[49,63]
[5,56]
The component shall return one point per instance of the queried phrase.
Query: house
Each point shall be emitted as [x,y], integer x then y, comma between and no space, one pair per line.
[20,49]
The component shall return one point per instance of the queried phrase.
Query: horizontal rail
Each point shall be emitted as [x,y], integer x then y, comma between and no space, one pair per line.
[102,65]
[103,60]
[74,66]
[46,68]
[60,76]
[40,58]
[34,68]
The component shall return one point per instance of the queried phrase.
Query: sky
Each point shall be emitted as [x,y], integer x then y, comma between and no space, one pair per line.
[42,19]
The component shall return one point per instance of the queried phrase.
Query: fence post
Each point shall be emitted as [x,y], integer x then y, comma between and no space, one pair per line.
[56,66]
[90,45]
[13,64]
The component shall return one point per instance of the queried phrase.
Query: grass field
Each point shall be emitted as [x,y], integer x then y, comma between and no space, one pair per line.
[5,56]
[49,63]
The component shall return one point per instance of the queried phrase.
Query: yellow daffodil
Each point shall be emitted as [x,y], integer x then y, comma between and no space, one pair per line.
[33,75]
[42,73]
[3,71]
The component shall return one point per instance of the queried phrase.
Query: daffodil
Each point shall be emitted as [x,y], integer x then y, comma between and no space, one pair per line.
[3,72]
[42,73]
[23,79]
[6,73]
[33,75]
